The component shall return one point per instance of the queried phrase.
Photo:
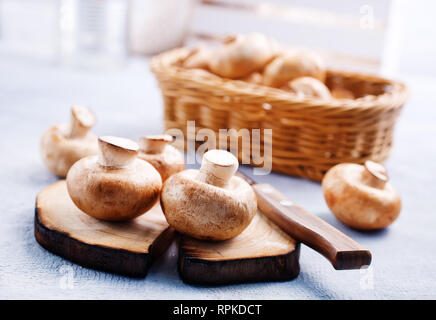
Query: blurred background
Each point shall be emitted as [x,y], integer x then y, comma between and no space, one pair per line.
[390,37]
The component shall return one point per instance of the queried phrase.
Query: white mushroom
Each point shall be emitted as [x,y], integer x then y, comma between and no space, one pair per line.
[209,203]
[62,145]
[360,196]
[114,185]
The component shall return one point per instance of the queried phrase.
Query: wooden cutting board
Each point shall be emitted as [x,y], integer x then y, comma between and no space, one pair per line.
[126,248]
[263,252]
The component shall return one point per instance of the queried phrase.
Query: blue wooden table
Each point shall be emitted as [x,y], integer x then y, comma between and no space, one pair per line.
[35,95]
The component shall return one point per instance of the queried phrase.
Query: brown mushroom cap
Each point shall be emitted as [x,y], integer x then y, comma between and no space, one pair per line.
[309,87]
[242,55]
[114,185]
[360,196]
[209,203]
[292,65]
[164,157]
[62,145]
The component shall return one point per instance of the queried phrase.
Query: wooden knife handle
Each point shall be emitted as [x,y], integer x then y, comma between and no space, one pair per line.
[342,251]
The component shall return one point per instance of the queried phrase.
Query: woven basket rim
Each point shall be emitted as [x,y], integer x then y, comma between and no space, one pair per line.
[163,65]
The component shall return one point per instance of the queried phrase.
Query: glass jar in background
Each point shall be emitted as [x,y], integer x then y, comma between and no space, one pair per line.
[92,33]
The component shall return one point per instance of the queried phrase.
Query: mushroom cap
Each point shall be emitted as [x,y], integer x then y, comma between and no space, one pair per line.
[310,87]
[361,199]
[291,65]
[59,152]
[205,211]
[242,55]
[113,193]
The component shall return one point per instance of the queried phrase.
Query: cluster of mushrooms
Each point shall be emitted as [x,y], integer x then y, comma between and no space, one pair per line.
[258,59]
[116,179]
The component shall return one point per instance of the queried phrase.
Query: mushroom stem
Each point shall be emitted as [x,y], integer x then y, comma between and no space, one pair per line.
[154,144]
[82,119]
[375,175]
[217,168]
[116,152]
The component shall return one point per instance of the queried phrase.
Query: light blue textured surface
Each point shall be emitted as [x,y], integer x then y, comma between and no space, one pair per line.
[35,95]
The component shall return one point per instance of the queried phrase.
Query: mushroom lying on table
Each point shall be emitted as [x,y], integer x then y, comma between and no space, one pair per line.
[360,196]
[209,203]
[164,157]
[62,145]
[115,185]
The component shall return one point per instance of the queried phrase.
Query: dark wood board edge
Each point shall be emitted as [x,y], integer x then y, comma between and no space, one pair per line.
[351,260]
[119,261]
[260,269]
[161,244]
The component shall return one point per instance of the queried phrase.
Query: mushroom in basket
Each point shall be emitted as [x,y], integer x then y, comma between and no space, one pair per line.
[291,65]
[242,55]
[198,59]
[308,87]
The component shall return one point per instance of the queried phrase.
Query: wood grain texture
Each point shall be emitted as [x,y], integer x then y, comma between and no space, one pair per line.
[126,248]
[342,251]
[262,252]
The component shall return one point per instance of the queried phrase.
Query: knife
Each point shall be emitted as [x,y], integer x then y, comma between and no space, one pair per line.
[343,252]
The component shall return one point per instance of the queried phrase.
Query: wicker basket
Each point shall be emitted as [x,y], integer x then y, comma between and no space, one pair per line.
[308,136]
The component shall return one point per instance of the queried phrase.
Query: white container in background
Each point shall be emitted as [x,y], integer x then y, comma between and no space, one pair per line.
[158,25]
[93,33]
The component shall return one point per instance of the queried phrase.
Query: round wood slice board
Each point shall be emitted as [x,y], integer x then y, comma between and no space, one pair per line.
[126,248]
[263,252]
